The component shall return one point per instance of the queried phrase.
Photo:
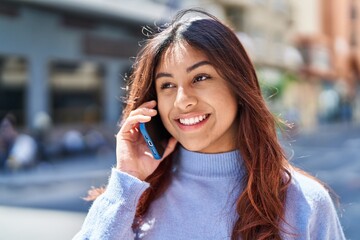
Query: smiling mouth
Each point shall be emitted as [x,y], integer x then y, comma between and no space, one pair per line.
[193,120]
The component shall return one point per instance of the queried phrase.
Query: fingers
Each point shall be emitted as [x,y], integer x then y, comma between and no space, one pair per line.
[145,109]
[168,150]
[142,114]
[149,104]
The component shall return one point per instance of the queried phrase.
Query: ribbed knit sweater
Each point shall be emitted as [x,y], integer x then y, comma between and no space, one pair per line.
[199,204]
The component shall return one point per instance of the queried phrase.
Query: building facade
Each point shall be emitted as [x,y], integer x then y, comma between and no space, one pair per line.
[331,56]
[265,29]
[68,59]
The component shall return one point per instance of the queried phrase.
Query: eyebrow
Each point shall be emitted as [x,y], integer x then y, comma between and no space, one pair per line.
[189,69]
[196,65]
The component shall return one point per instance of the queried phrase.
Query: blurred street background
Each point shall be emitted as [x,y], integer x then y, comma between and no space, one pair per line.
[63,68]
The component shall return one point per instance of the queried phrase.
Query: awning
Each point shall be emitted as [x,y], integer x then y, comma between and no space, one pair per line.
[136,10]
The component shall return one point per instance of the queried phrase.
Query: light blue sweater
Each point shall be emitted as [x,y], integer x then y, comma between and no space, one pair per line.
[199,204]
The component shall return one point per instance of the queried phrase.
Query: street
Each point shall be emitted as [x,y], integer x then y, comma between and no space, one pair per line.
[32,224]
[46,202]
[332,154]
[51,194]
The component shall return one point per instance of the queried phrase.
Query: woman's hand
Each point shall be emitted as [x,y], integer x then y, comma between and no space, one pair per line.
[132,154]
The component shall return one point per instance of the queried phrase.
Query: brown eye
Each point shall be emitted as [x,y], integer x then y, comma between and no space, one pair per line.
[167,85]
[200,78]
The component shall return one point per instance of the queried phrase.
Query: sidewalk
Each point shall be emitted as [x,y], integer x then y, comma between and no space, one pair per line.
[67,169]
[331,153]
[59,185]
[25,223]
[45,202]
[329,135]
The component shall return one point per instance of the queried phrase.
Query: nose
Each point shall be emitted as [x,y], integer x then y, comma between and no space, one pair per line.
[185,99]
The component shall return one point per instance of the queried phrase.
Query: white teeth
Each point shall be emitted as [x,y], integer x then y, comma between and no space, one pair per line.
[192,121]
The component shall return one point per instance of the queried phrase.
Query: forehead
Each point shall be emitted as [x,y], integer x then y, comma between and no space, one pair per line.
[180,53]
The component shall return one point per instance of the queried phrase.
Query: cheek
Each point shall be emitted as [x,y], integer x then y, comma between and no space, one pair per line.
[164,108]
[165,103]
[228,106]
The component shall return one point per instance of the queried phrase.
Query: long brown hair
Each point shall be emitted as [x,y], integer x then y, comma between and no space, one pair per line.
[261,205]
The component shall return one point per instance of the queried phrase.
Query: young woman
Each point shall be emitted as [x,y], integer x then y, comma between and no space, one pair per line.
[224,174]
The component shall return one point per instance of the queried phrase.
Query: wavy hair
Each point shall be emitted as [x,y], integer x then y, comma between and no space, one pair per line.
[261,204]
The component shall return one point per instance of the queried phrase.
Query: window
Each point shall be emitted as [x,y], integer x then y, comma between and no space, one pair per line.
[278,47]
[78,22]
[281,6]
[353,12]
[9,9]
[353,29]
[13,81]
[236,16]
[76,92]
[260,43]
[261,1]
[320,58]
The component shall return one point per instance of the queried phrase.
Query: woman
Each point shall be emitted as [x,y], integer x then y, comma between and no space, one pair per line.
[224,174]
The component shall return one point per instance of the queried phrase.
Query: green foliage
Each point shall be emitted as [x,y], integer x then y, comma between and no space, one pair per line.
[273,89]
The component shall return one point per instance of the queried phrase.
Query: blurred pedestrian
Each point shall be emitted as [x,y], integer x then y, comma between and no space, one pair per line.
[223,174]
[41,132]
[18,149]
[73,142]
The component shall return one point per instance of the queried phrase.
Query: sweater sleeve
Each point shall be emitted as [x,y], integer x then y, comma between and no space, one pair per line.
[325,223]
[112,213]
[310,211]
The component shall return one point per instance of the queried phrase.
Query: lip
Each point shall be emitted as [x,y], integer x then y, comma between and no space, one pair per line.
[193,126]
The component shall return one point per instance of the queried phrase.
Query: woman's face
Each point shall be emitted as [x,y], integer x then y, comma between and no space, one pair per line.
[196,105]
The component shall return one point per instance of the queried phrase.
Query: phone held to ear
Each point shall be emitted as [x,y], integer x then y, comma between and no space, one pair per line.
[152,139]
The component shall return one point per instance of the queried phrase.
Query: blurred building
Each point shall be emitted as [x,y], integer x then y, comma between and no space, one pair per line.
[68,58]
[315,70]
[327,33]
[264,27]
[306,53]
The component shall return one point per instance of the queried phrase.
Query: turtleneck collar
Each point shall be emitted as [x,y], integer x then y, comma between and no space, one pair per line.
[227,164]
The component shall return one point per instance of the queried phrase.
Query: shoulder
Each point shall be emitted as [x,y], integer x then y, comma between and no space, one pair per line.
[310,209]
[308,193]
[308,188]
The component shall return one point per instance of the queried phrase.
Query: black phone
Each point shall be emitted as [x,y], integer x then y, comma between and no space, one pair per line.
[155,135]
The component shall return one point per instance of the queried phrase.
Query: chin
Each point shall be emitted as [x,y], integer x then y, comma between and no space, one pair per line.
[192,147]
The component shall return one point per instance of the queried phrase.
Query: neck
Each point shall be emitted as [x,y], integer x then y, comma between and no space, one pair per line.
[226,164]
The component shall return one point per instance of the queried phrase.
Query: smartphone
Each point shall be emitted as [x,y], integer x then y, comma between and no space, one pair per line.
[155,134]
